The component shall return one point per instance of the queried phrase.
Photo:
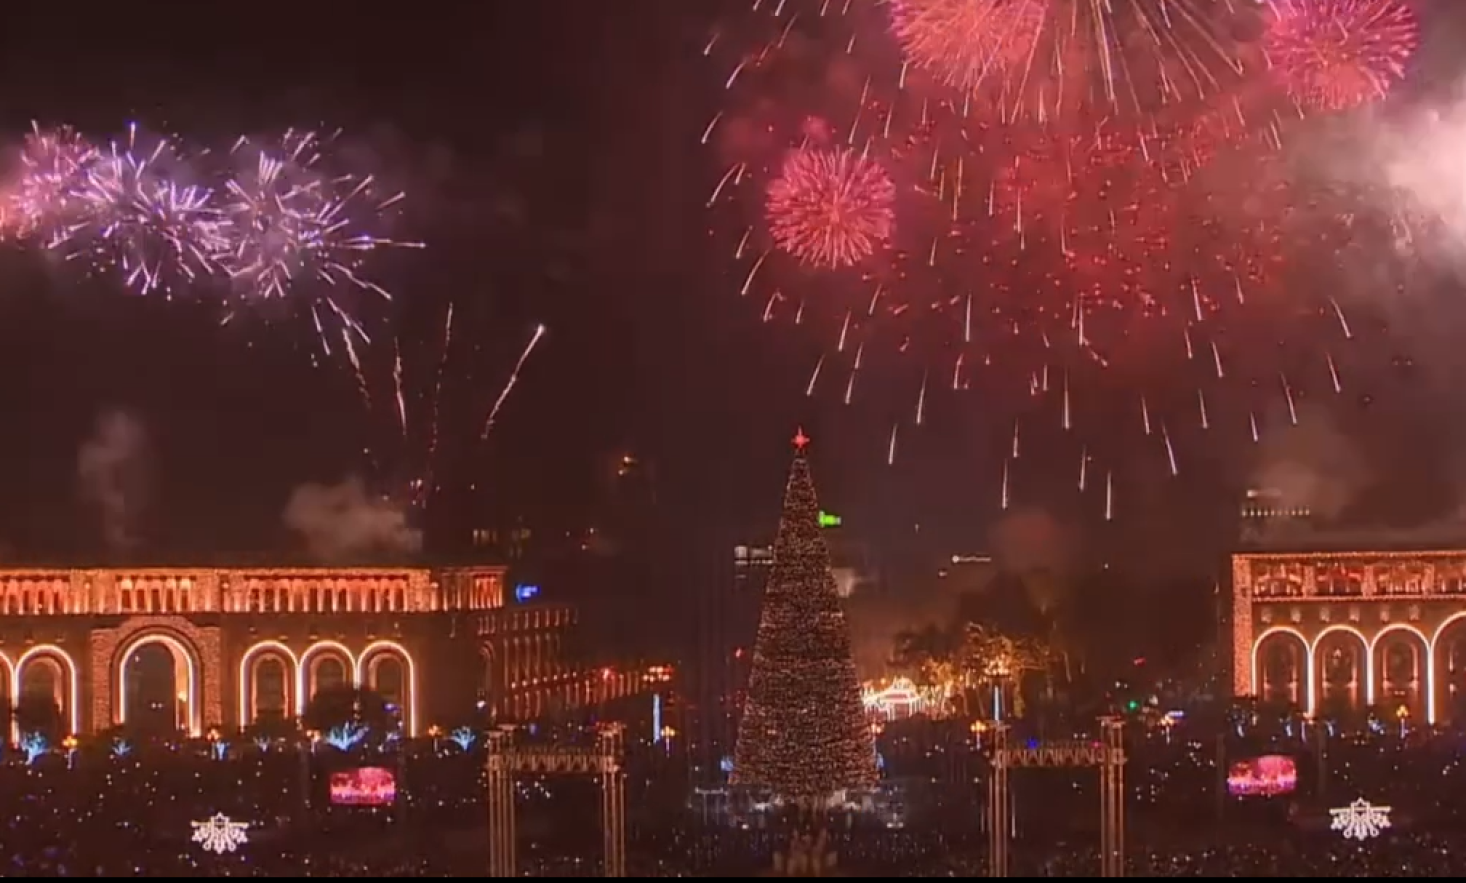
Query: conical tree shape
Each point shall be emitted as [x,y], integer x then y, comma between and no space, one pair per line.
[804,733]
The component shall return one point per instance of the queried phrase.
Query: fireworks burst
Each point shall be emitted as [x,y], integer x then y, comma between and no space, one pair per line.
[45,202]
[143,221]
[1336,54]
[1069,260]
[289,222]
[830,208]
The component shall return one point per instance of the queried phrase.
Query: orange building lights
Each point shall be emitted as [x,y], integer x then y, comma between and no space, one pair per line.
[254,640]
[1351,630]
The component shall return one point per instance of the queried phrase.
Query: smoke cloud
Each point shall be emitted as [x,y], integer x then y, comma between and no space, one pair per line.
[344,522]
[1030,540]
[112,474]
[1313,465]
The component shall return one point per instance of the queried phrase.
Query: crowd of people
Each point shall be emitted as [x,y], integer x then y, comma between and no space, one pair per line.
[106,814]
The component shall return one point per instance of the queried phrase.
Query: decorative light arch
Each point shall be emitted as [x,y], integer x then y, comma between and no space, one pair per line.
[246,677]
[1307,658]
[1364,644]
[180,650]
[1374,644]
[1435,640]
[379,647]
[302,670]
[73,686]
[10,690]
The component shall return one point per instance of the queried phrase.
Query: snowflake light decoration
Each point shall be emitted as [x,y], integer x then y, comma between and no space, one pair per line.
[220,834]
[35,746]
[463,737]
[346,736]
[1360,820]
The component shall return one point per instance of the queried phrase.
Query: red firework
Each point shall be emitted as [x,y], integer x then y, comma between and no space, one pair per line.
[1337,54]
[1052,60]
[962,43]
[830,208]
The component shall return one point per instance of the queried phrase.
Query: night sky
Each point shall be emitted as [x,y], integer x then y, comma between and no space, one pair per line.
[550,153]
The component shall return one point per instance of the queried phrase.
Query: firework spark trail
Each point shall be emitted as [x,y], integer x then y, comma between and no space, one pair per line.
[539,332]
[443,351]
[1047,60]
[397,386]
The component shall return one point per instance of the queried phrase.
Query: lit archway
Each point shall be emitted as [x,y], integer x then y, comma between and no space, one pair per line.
[1265,667]
[306,669]
[1305,650]
[1441,677]
[71,689]
[248,671]
[366,676]
[183,657]
[1360,669]
[1378,673]
[7,693]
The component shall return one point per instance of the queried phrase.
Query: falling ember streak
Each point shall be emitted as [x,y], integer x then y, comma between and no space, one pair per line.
[844,333]
[1201,404]
[1170,451]
[1252,421]
[1083,467]
[891,448]
[1196,300]
[1145,414]
[438,384]
[1015,439]
[1288,394]
[814,377]
[1109,495]
[1068,423]
[957,371]
[355,360]
[539,332]
[850,386]
[1005,484]
[752,272]
[1334,373]
[397,387]
[1343,322]
[1190,350]
[921,401]
[1216,357]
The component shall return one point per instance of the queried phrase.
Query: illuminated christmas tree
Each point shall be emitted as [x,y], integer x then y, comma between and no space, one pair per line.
[804,734]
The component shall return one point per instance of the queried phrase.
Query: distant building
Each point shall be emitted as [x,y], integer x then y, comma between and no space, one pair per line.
[1266,516]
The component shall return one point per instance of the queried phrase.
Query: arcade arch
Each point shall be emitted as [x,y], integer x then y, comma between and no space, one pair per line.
[1282,667]
[59,669]
[1446,668]
[254,677]
[185,662]
[370,670]
[1341,667]
[1399,668]
[318,667]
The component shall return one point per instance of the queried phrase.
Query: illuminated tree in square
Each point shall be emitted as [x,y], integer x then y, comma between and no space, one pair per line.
[804,734]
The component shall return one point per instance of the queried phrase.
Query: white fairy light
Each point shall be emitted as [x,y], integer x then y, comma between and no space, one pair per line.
[220,834]
[1360,820]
